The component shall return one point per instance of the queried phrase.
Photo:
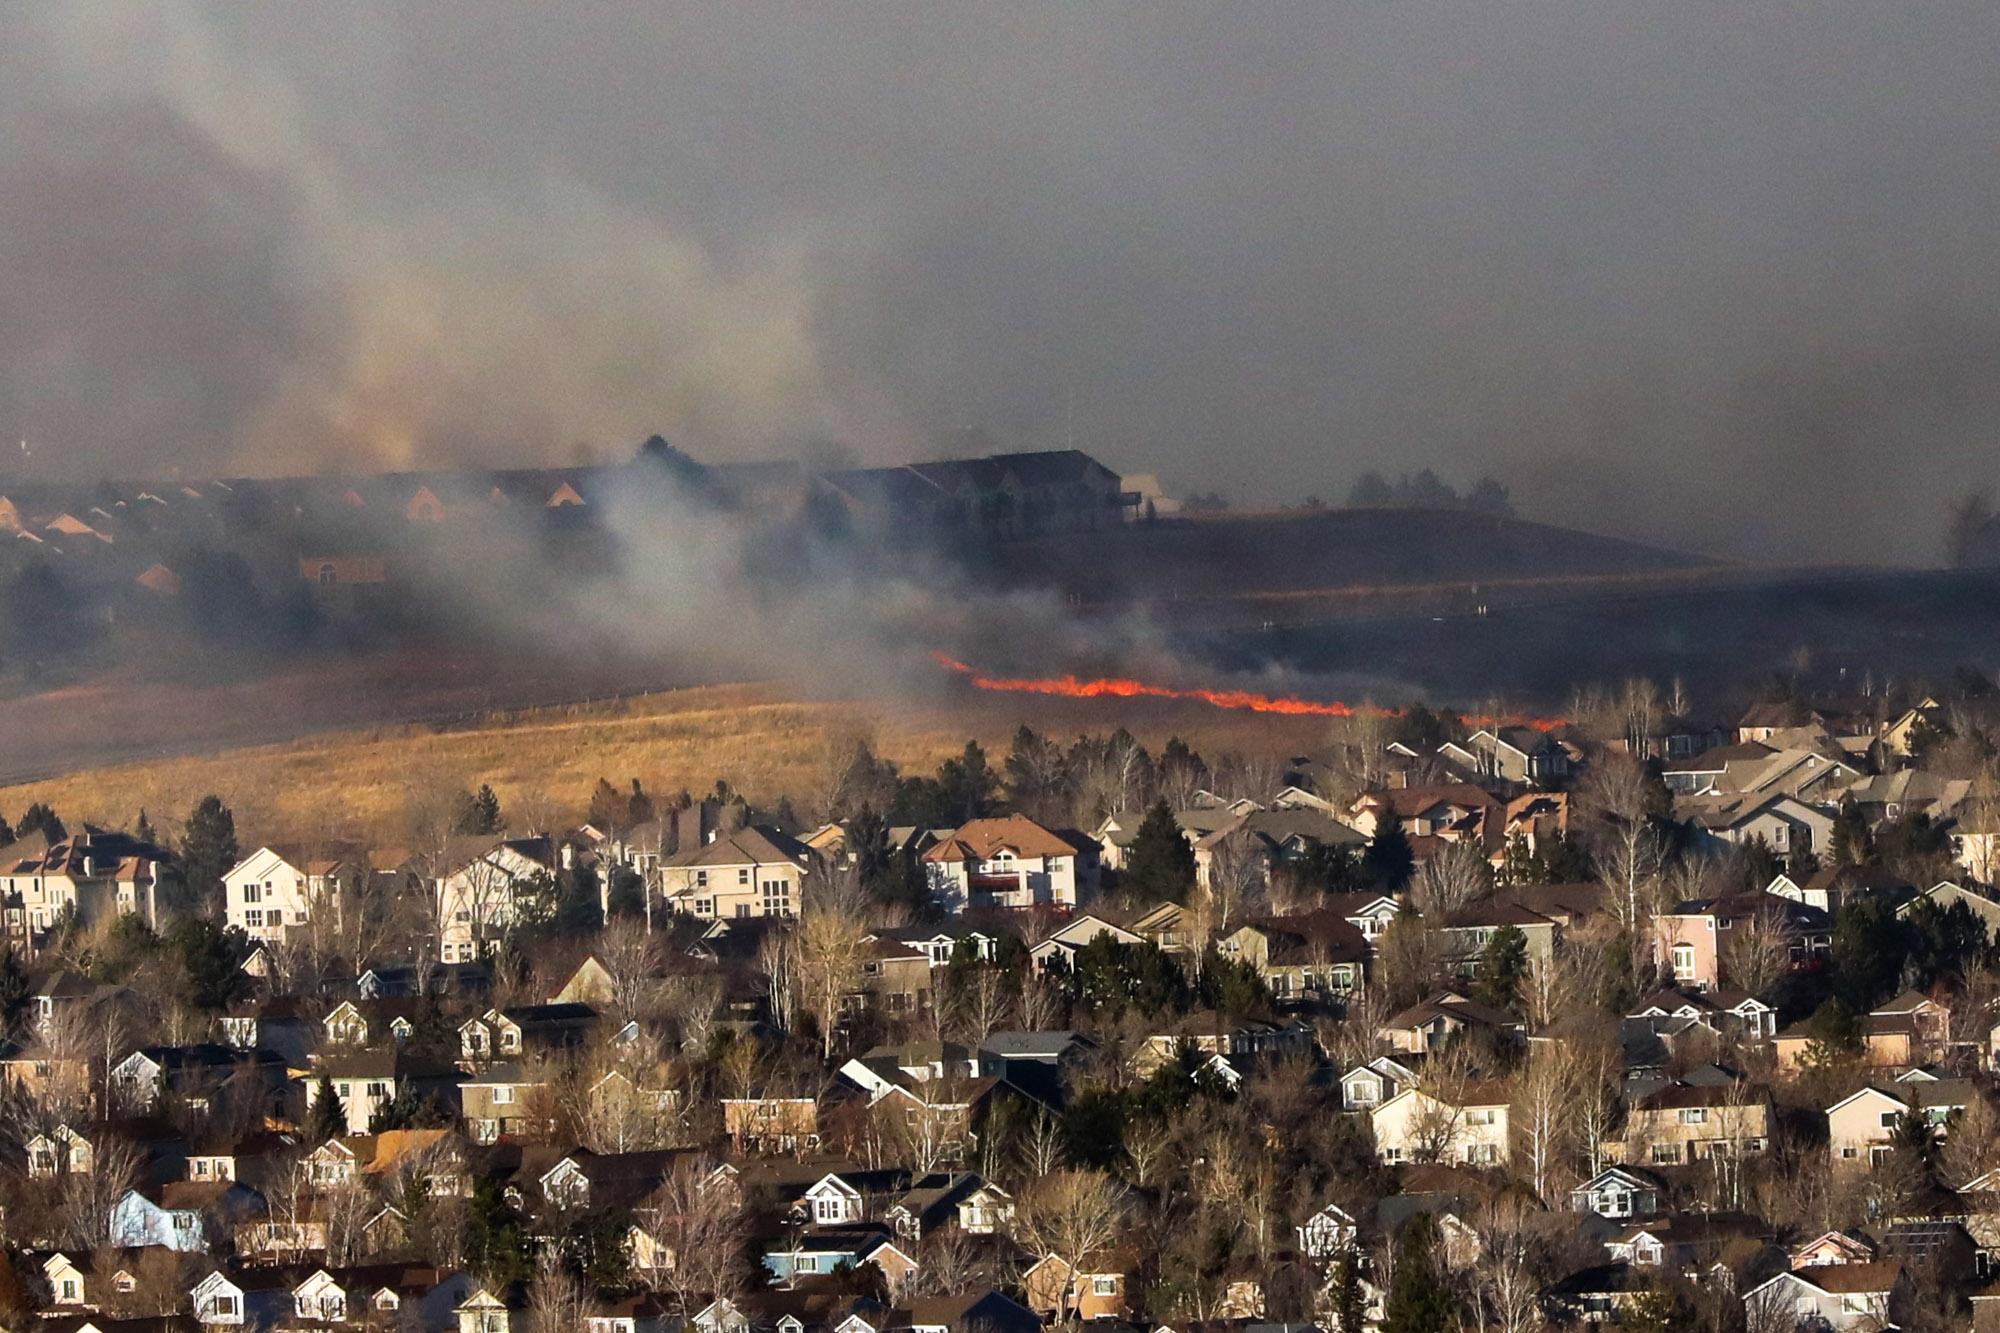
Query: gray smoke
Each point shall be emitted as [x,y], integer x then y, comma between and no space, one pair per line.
[1715,274]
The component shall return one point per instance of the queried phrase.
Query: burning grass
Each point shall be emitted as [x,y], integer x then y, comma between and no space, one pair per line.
[357,782]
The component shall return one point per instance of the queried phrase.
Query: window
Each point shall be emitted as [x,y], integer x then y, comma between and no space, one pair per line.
[743,875]
[1666,1154]
[1104,1286]
[743,910]
[704,907]
[253,893]
[1683,962]
[253,919]
[1889,1119]
[503,1096]
[1694,1115]
[1485,1117]
[1848,1152]
[701,879]
[225,1305]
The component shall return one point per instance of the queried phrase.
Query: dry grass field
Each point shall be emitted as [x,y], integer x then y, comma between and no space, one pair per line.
[358,783]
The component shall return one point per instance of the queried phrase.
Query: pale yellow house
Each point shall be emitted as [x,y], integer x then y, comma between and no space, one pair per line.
[1415,1126]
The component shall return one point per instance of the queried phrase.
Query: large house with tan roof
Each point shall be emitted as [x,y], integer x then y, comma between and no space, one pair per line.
[753,871]
[1010,861]
[90,875]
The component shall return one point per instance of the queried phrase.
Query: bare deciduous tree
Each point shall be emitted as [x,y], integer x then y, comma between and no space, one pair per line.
[1072,1215]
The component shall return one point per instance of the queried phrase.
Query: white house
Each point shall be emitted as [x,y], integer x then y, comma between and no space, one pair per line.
[272,891]
[1838,1297]
[1619,1193]
[476,899]
[1367,1086]
[1414,1126]
[1010,862]
[1327,1232]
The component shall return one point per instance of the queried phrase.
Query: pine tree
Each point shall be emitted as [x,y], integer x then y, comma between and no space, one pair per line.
[1389,861]
[39,818]
[1350,1303]
[208,848]
[6,832]
[607,807]
[143,830]
[638,807]
[327,1118]
[14,986]
[1419,1301]
[1160,866]
[1503,966]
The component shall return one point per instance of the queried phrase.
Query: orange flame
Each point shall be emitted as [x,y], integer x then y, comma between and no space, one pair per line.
[1118,687]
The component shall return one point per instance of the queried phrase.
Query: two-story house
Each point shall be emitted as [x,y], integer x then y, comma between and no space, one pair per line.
[1010,862]
[753,871]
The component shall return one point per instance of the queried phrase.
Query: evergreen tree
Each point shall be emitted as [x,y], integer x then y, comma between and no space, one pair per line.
[208,849]
[1160,866]
[143,830]
[1503,967]
[327,1118]
[39,818]
[1419,1301]
[1869,945]
[1350,1303]
[968,784]
[14,986]
[7,831]
[638,806]
[496,1246]
[1851,844]
[211,960]
[607,807]
[478,813]
[1389,862]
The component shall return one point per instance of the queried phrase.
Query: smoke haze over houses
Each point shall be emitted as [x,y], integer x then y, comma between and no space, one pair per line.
[1722,276]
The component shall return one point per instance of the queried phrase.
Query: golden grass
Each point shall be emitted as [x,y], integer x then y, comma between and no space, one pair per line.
[359,783]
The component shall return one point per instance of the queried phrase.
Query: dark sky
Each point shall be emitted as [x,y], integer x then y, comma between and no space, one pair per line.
[1720,274]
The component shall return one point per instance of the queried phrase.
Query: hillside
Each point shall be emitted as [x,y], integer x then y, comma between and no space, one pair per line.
[1351,550]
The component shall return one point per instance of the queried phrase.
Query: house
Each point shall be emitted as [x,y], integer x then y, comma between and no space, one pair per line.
[1834,1247]
[1307,955]
[1694,937]
[1786,824]
[362,1023]
[1683,1123]
[1619,1193]
[1080,930]
[1833,887]
[1724,1011]
[820,1250]
[271,892]
[61,1151]
[365,1082]
[1467,934]
[524,1029]
[986,1211]
[1836,1297]
[943,942]
[1010,862]
[183,1215]
[1946,895]
[772,1124]
[1369,1085]
[476,897]
[196,1075]
[1330,1231]
[1417,1126]
[1910,1030]
[90,875]
[1093,1289]
[490,1310]
[1427,1025]
[1524,755]
[751,871]
[895,977]
[1859,1126]
[503,1100]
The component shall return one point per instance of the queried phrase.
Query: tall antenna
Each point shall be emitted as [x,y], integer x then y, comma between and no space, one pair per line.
[1069,416]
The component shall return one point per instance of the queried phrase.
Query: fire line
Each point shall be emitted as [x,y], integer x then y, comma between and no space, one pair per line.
[1118,687]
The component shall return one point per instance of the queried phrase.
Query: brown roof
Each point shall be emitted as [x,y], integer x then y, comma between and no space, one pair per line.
[981,838]
[1846,1279]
